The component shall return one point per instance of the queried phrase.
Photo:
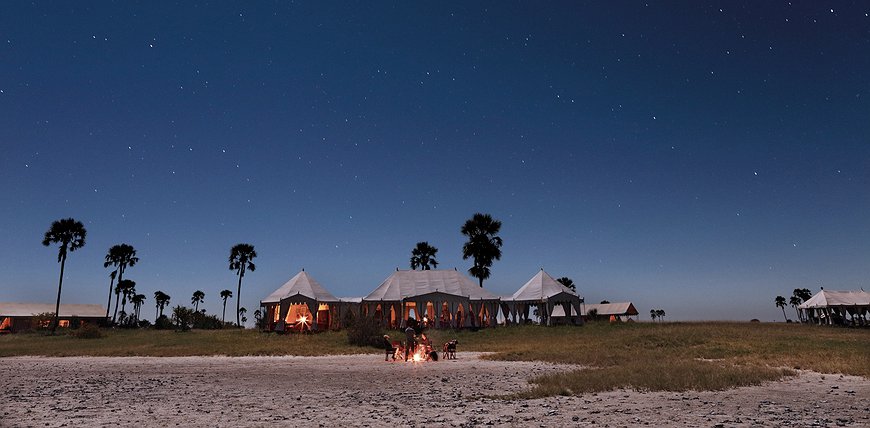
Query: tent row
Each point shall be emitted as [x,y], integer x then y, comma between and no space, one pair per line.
[436,298]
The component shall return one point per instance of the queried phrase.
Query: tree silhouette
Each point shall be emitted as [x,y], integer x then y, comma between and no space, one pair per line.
[112,276]
[423,255]
[652,314]
[137,301]
[780,303]
[121,256]
[240,261]
[70,234]
[126,288]
[568,283]
[661,314]
[795,301]
[484,246]
[241,314]
[198,297]
[225,294]
[161,299]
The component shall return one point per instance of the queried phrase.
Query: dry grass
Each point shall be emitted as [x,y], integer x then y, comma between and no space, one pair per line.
[166,343]
[642,356]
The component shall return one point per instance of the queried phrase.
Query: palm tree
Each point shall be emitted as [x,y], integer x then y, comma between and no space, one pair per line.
[137,300]
[661,314]
[567,282]
[225,294]
[483,245]
[240,261]
[795,301]
[121,256]
[70,234]
[652,314]
[126,288]
[241,314]
[780,303]
[423,255]
[112,276]
[161,299]
[198,297]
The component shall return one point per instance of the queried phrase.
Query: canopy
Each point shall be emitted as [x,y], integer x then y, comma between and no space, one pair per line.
[828,298]
[604,309]
[541,287]
[403,284]
[66,310]
[301,284]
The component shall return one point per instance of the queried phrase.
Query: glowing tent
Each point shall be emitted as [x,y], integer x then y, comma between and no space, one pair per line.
[302,304]
[438,298]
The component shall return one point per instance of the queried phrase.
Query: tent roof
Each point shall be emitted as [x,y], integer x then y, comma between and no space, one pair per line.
[623,308]
[302,284]
[66,310]
[540,287]
[403,284]
[826,298]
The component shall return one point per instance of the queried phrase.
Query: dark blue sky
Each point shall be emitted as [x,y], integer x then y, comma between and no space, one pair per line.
[699,157]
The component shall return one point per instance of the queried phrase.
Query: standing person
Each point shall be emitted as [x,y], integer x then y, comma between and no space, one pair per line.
[410,342]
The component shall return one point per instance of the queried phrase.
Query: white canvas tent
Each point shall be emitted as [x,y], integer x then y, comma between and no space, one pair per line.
[837,307]
[555,302]
[621,310]
[439,298]
[22,316]
[300,304]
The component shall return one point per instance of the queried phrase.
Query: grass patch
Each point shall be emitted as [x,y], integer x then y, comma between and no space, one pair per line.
[642,356]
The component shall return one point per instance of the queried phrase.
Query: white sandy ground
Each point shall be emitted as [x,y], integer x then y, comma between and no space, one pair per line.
[363,390]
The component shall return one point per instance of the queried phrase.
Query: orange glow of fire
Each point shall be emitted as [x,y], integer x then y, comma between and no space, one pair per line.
[303,319]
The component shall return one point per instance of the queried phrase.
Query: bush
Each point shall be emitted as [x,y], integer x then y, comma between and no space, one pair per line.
[182,317]
[163,323]
[206,322]
[88,331]
[366,331]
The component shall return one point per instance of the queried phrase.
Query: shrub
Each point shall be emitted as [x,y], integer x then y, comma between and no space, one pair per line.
[182,317]
[88,331]
[366,331]
[206,322]
[163,323]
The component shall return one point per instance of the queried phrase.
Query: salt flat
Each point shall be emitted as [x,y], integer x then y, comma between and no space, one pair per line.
[363,390]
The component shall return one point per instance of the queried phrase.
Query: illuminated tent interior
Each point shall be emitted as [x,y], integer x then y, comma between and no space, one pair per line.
[23,316]
[556,304]
[302,304]
[438,298]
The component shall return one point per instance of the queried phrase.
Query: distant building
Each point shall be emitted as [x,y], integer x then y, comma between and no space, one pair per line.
[604,311]
[15,317]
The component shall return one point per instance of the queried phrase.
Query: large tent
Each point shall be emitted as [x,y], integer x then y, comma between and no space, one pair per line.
[24,316]
[302,304]
[833,307]
[555,302]
[438,298]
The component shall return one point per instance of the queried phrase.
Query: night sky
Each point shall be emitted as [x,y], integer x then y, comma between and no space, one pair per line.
[697,157]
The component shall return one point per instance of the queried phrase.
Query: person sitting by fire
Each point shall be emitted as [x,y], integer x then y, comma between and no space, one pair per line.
[410,341]
[389,349]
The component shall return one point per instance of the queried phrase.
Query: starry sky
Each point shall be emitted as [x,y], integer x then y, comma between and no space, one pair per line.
[692,156]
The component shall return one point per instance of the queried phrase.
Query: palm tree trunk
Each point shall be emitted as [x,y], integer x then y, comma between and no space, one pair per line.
[59,287]
[783,313]
[120,277]
[109,305]
[239,295]
[224,316]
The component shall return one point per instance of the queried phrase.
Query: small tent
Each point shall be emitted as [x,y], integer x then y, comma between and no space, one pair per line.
[837,307]
[302,304]
[555,302]
[24,316]
[622,311]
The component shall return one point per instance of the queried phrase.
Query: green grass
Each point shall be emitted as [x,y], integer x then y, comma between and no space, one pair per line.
[641,356]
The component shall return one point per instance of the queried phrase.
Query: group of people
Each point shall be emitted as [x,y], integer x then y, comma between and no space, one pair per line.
[411,346]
